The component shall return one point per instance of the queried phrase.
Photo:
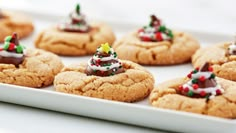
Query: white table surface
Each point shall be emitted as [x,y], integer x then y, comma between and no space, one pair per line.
[210,16]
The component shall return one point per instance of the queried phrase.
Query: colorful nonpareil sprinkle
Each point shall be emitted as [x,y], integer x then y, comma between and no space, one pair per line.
[155,31]
[104,62]
[202,83]
[76,22]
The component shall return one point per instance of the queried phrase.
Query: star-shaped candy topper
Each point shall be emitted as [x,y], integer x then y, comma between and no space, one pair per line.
[105,47]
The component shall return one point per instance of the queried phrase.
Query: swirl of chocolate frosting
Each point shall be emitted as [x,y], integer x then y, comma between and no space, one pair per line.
[104,62]
[12,52]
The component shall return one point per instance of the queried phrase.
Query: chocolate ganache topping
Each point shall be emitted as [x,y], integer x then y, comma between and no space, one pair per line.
[12,51]
[104,62]
[156,31]
[76,22]
[202,83]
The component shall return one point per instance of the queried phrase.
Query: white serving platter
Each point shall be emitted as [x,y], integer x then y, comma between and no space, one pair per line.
[139,113]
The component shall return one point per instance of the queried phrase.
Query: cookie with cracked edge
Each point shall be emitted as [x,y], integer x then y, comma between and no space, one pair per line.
[15,22]
[37,70]
[129,83]
[156,45]
[75,37]
[218,99]
[222,58]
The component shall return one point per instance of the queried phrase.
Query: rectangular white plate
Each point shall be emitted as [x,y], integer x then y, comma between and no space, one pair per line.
[139,113]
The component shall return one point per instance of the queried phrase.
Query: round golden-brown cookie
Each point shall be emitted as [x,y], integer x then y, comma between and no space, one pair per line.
[132,85]
[223,64]
[166,95]
[14,22]
[74,43]
[37,70]
[180,50]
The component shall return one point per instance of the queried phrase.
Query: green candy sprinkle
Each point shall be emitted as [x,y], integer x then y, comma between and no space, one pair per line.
[162,28]
[190,93]
[6,45]
[108,68]
[8,39]
[213,76]
[19,49]
[194,81]
[115,54]
[195,71]
[170,34]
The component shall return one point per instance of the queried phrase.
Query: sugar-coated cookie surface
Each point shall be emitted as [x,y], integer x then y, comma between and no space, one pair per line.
[166,95]
[132,85]
[178,51]
[218,55]
[15,22]
[73,43]
[75,37]
[37,70]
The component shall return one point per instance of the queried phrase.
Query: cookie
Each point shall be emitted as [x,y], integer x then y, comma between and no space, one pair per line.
[106,77]
[221,57]
[75,38]
[211,96]
[27,67]
[14,22]
[156,45]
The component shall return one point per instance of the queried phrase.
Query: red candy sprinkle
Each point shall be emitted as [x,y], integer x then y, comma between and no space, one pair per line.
[158,36]
[202,93]
[98,61]
[181,88]
[218,91]
[189,75]
[11,46]
[195,86]
[147,39]
[210,69]
[202,78]
[186,89]
[197,68]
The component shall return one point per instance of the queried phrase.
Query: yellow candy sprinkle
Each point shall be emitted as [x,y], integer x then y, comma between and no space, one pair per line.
[105,47]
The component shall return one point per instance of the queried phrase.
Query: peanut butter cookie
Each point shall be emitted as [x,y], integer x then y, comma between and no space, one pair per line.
[106,77]
[200,93]
[76,37]
[14,22]
[27,67]
[222,57]
[156,45]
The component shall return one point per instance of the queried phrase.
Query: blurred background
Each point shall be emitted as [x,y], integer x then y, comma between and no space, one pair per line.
[202,15]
